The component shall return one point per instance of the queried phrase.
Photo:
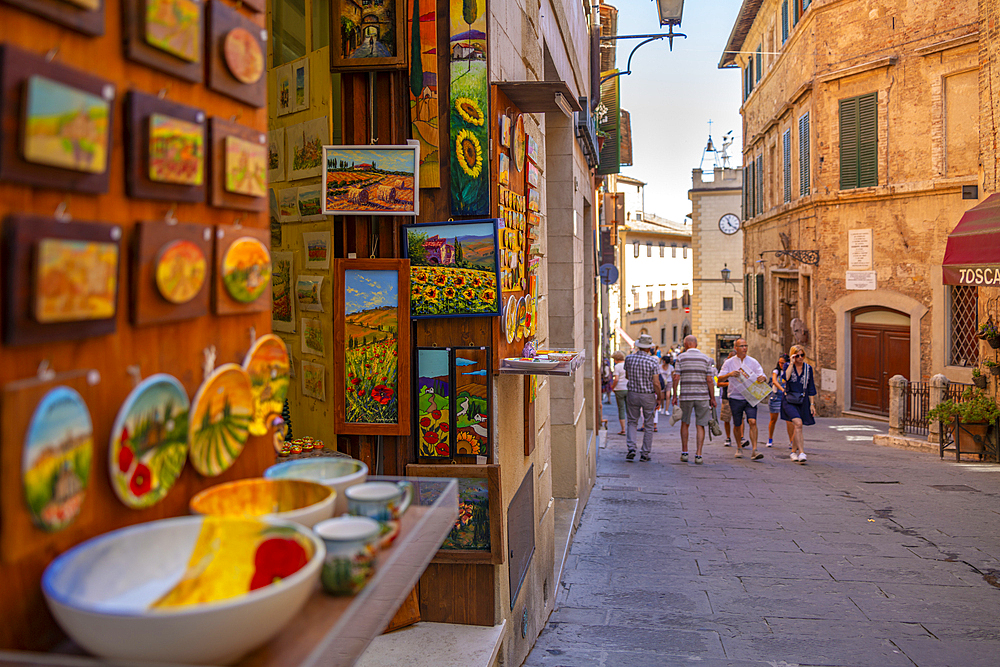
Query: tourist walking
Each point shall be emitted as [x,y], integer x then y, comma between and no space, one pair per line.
[667,385]
[796,406]
[642,369]
[774,402]
[725,415]
[619,385]
[693,391]
[748,369]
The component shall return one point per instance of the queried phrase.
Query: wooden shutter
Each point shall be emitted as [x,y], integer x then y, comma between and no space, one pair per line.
[868,140]
[610,153]
[849,143]
[784,21]
[760,63]
[795,12]
[786,163]
[749,296]
[760,300]
[759,172]
[804,155]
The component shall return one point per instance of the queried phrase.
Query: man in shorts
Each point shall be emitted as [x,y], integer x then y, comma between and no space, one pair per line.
[748,369]
[642,368]
[725,416]
[694,389]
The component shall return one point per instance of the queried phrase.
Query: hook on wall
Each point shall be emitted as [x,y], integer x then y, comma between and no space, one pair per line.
[169,218]
[62,212]
[135,371]
[50,55]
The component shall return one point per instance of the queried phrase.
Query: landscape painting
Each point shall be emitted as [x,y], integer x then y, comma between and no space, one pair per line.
[149,444]
[246,167]
[433,402]
[57,457]
[268,366]
[468,109]
[174,26]
[66,127]
[312,337]
[317,245]
[282,303]
[472,407]
[220,420]
[284,89]
[244,56]
[314,381]
[246,269]
[276,155]
[472,528]
[368,29]
[310,199]
[75,280]
[300,71]
[176,150]
[422,24]
[305,148]
[453,269]
[363,180]
[307,291]
[371,355]
[288,205]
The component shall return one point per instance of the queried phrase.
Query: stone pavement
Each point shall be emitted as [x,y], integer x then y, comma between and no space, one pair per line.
[863,556]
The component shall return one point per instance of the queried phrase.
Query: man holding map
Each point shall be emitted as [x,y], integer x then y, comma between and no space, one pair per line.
[748,386]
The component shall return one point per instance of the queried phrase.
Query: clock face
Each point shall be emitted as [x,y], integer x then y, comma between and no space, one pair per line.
[729,224]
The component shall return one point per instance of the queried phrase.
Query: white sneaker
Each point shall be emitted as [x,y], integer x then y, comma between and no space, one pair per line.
[793,456]
[802,457]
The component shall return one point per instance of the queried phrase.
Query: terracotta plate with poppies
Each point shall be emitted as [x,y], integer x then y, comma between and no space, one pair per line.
[149,441]
[267,365]
[220,420]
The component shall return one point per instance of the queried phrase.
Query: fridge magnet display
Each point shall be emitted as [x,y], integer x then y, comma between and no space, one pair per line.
[317,245]
[477,536]
[424,116]
[288,205]
[300,78]
[62,279]
[434,392]
[245,164]
[305,148]
[236,48]
[238,172]
[366,180]
[307,292]
[310,202]
[56,124]
[166,35]
[164,149]
[534,177]
[312,337]
[276,155]
[84,16]
[504,178]
[371,325]
[369,37]
[532,149]
[268,365]
[58,454]
[219,422]
[454,268]
[314,381]
[472,400]
[469,144]
[170,271]
[149,441]
[519,147]
[283,87]
[282,304]
[242,270]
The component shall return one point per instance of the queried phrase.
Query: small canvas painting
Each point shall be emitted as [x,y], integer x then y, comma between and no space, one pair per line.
[504,169]
[472,409]
[75,280]
[174,26]
[246,269]
[472,528]
[300,76]
[312,337]
[371,356]
[314,381]
[424,117]
[288,205]
[434,432]
[282,302]
[58,454]
[307,291]
[305,148]
[176,150]
[368,29]
[276,155]
[310,198]
[534,177]
[66,127]
[532,149]
[317,245]
[469,144]
[285,89]
[534,200]
[363,180]
[246,167]
[181,270]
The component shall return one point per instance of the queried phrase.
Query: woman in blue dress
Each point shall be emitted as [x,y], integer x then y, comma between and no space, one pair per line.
[796,407]
[774,402]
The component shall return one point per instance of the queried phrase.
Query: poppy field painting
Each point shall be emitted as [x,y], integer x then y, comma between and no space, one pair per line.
[433,402]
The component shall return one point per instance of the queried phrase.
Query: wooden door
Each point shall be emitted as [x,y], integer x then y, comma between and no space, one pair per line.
[878,352]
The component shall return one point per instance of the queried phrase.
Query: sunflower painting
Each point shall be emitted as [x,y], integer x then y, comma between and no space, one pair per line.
[469,108]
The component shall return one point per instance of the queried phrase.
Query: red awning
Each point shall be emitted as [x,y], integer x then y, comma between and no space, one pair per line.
[972,256]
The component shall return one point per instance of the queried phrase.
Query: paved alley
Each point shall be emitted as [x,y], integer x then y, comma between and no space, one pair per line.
[863,556]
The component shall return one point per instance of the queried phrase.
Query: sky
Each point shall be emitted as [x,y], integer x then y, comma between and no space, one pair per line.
[365,290]
[671,96]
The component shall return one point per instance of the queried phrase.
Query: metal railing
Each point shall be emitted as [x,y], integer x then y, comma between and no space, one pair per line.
[916,403]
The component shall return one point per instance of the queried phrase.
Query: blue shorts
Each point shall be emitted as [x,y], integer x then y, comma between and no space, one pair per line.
[739,407]
[774,403]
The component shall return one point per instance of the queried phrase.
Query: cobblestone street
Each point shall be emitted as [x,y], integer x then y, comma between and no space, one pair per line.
[863,556]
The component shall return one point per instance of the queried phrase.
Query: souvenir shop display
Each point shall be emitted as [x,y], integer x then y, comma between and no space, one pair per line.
[219,422]
[268,366]
[167,35]
[371,180]
[171,265]
[299,501]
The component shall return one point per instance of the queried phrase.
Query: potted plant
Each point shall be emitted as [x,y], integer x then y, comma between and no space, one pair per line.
[992,365]
[989,332]
[978,378]
[975,413]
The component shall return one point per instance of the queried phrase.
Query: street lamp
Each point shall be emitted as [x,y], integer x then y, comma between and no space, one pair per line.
[725,278]
[670,11]
[669,14]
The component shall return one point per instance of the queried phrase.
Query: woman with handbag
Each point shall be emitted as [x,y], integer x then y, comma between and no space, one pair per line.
[796,407]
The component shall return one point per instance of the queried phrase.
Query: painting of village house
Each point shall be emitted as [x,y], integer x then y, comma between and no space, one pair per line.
[453,269]
[363,180]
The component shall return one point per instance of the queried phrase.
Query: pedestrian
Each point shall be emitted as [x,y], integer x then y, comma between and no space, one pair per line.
[774,402]
[644,394]
[694,391]
[796,407]
[619,385]
[606,376]
[748,369]
[667,385]
[725,416]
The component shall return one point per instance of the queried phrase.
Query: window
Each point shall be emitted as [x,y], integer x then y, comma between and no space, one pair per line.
[649,300]
[649,249]
[727,303]
[784,21]
[635,298]
[663,335]
[686,298]
[685,251]
[673,250]
[675,333]
[859,142]
[663,299]
[786,164]
[760,63]
[673,300]
[963,321]
[759,290]
[804,155]
[805,5]
[662,249]
[635,247]
[795,12]
[747,284]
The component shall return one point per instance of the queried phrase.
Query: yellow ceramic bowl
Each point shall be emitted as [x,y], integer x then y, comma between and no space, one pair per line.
[305,503]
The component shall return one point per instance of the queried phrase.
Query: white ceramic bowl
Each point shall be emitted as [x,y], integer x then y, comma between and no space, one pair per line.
[299,500]
[336,472]
[100,591]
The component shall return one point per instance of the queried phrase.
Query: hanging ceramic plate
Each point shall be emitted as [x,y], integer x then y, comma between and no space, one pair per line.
[267,365]
[510,316]
[519,145]
[55,464]
[220,419]
[149,441]
[181,269]
[522,319]
[243,56]
[246,269]
[532,320]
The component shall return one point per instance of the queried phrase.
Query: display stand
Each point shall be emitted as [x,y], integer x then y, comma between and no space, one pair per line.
[536,366]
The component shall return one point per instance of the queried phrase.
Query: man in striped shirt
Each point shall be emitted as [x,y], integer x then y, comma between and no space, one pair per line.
[642,370]
[693,376]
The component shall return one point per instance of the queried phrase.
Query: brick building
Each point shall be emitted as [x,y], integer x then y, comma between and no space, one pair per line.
[860,131]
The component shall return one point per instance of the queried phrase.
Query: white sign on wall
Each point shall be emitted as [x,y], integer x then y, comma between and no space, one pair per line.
[828,378]
[859,250]
[860,280]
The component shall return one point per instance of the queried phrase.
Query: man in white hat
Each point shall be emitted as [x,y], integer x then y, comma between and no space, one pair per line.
[642,370]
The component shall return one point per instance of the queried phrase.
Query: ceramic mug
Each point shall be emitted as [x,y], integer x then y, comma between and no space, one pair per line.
[382,501]
[350,553]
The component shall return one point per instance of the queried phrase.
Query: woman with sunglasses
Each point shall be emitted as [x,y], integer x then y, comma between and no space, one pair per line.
[774,402]
[796,407]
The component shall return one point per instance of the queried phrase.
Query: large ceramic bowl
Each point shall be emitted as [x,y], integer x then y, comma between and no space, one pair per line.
[101,592]
[338,473]
[304,502]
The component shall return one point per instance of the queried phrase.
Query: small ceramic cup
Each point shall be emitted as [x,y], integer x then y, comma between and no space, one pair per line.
[382,501]
[350,553]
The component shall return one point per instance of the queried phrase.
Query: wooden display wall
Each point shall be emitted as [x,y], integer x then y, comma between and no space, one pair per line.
[174,347]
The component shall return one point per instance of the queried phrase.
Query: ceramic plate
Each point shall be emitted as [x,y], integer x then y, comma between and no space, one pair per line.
[510,316]
[519,145]
[181,269]
[246,269]
[529,364]
[267,365]
[522,319]
[220,419]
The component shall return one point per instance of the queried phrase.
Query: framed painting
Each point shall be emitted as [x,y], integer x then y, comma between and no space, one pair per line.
[171,268]
[166,35]
[372,332]
[164,149]
[317,245]
[477,536]
[84,16]
[454,268]
[468,105]
[310,203]
[471,424]
[371,180]
[276,155]
[56,124]
[435,388]
[368,36]
[242,270]
[314,381]
[61,279]
[300,82]
[238,169]
[452,387]
[284,90]
[424,110]
[236,54]
[305,148]
[282,296]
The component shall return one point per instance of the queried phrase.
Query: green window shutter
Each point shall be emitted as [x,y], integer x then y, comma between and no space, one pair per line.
[784,21]
[804,155]
[786,163]
[868,140]
[795,12]
[610,154]
[760,300]
[849,143]
[759,172]
[746,302]
[760,63]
